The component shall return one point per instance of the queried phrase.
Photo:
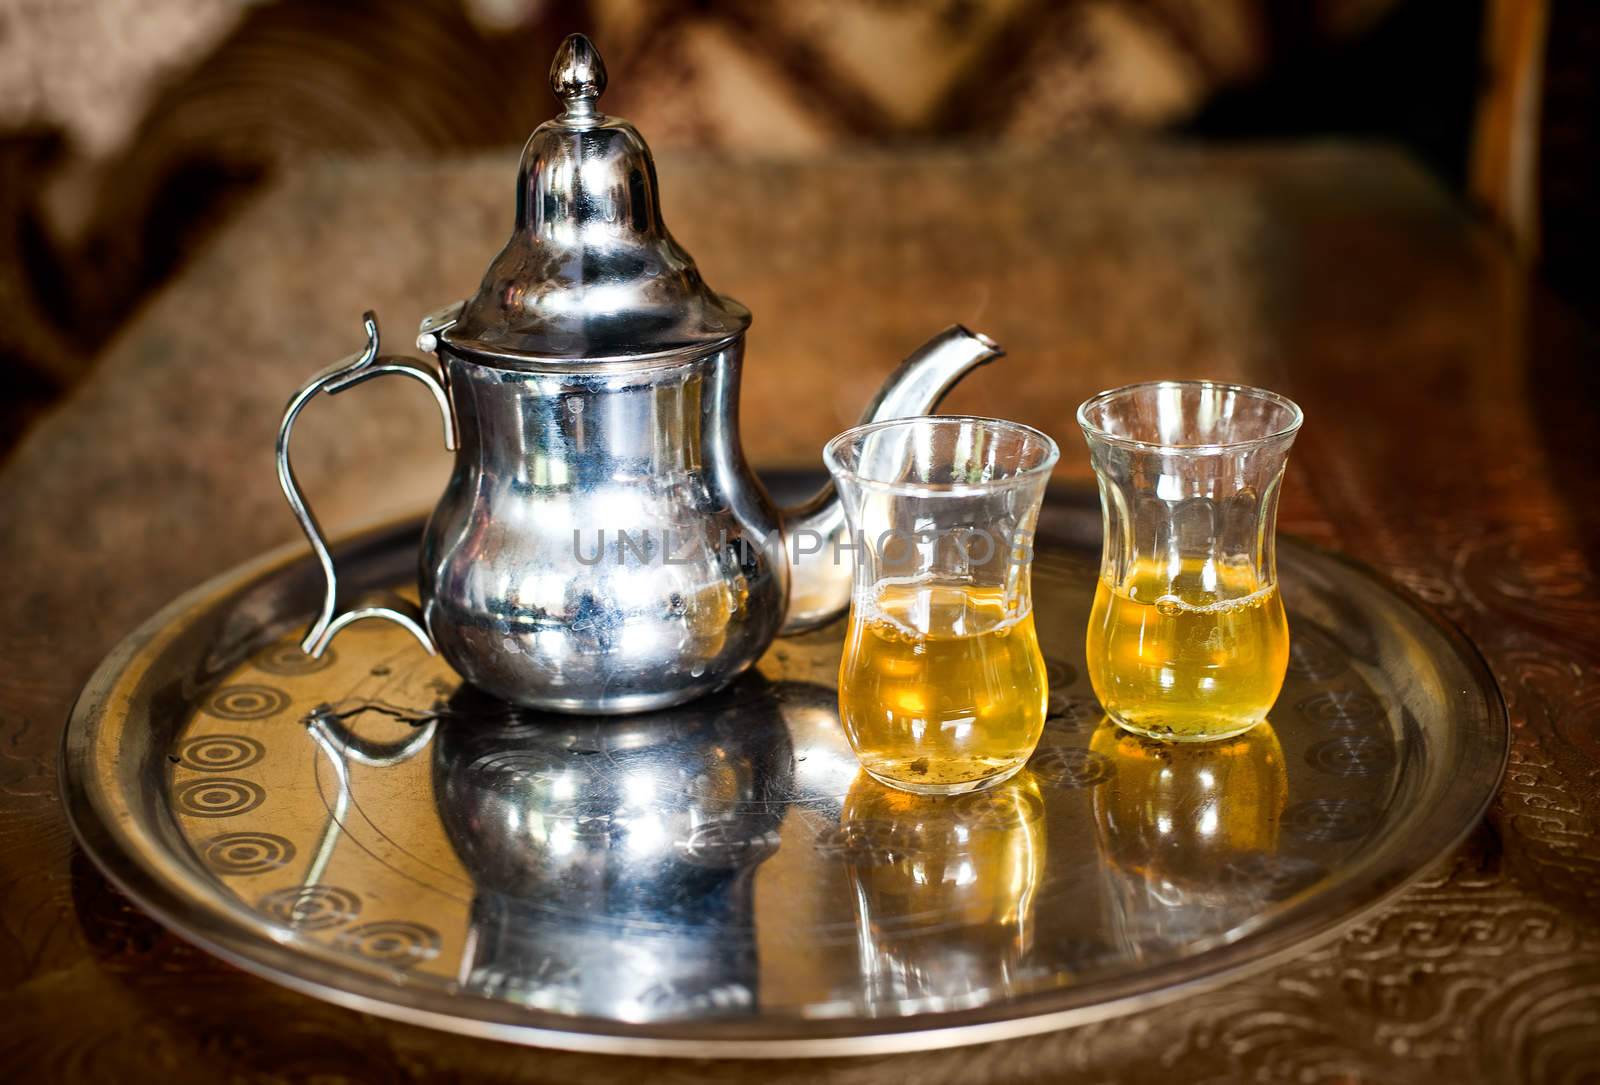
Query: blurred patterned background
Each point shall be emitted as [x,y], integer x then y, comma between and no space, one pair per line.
[130,130]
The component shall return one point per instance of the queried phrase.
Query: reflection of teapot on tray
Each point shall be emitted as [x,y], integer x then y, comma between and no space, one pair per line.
[615,860]
[602,546]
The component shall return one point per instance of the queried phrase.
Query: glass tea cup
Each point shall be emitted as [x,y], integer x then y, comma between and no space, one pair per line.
[1187,639]
[942,686]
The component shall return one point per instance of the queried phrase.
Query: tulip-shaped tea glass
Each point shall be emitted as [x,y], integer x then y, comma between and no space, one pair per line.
[942,686]
[1187,639]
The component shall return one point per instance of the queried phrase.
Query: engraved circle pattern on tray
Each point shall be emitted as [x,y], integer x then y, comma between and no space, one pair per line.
[727,862]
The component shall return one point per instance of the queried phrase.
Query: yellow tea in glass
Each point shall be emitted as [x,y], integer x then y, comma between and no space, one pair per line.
[1188,639]
[1196,652]
[942,686]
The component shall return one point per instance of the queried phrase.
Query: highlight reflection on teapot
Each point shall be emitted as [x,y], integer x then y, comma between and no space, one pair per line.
[615,860]
[966,867]
[1186,832]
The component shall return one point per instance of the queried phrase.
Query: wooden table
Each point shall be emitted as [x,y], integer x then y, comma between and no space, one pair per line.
[1450,442]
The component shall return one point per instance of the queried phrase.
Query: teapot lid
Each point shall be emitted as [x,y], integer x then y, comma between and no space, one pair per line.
[590,272]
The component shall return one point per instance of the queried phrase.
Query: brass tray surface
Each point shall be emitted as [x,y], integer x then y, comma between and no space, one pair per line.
[719,879]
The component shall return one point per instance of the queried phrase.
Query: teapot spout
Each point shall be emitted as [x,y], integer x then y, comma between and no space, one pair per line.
[820,569]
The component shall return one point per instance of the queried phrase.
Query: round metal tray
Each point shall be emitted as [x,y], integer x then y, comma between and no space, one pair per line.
[719,879]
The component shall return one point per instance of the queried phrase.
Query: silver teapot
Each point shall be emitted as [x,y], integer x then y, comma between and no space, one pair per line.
[602,545]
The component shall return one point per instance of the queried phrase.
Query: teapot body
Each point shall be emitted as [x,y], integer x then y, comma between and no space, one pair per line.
[602,546]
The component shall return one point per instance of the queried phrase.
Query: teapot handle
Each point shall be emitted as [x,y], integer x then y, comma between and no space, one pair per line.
[344,374]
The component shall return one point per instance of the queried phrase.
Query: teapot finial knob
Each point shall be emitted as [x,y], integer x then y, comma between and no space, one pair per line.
[578,75]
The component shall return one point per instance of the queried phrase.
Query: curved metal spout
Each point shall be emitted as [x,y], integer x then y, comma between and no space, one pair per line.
[820,570]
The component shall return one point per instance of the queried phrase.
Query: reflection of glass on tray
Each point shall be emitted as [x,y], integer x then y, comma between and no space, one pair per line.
[1183,829]
[945,904]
